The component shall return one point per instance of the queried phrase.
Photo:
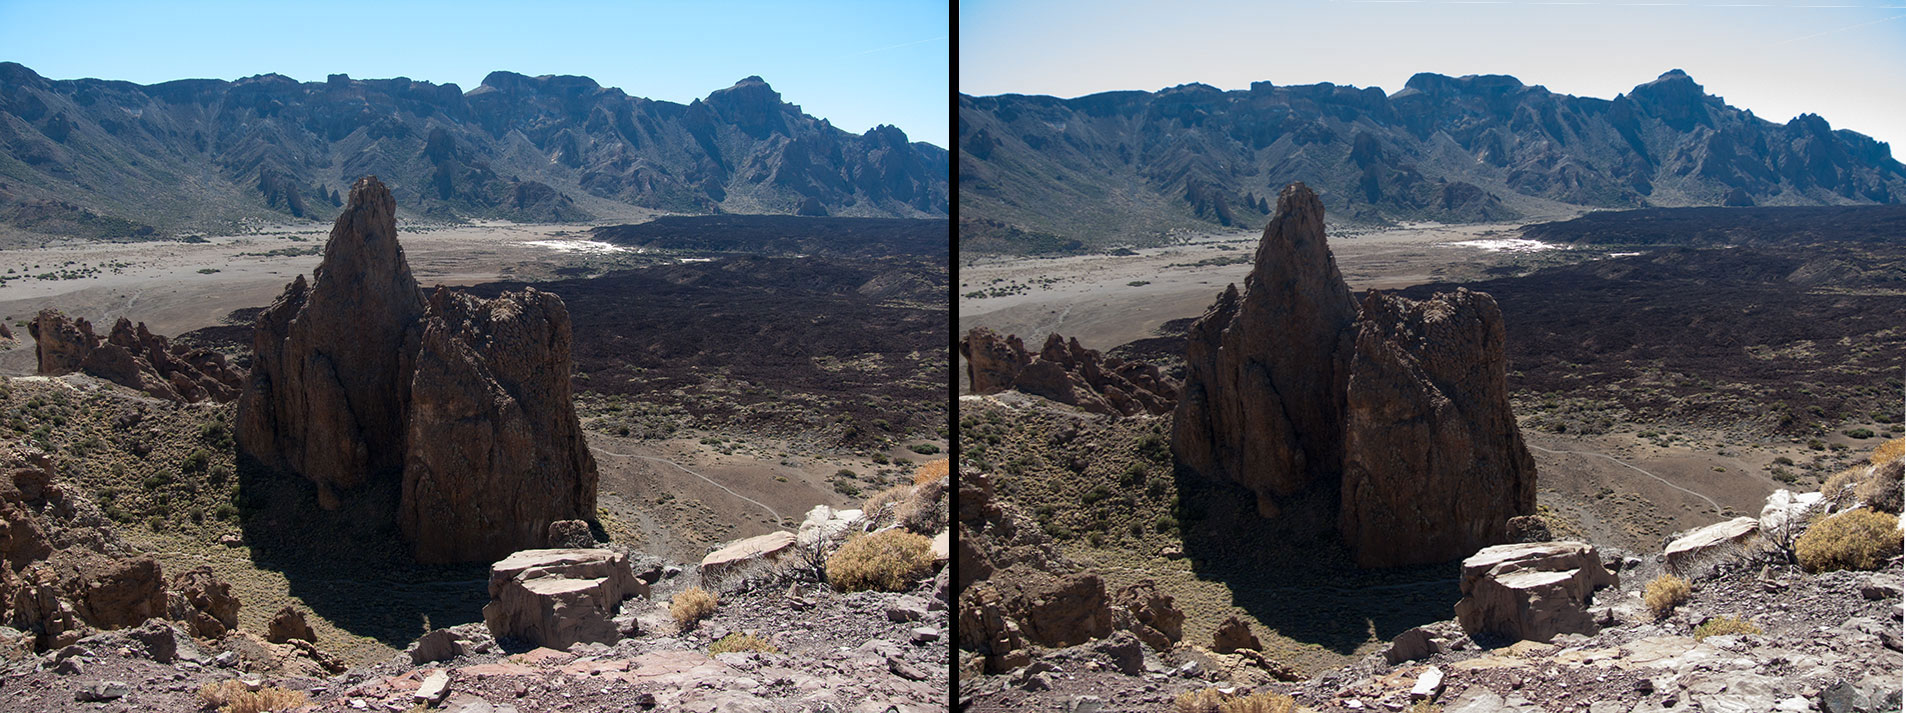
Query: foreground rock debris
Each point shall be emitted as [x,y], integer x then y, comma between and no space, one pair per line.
[134,357]
[557,598]
[1067,373]
[1400,405]
[358,377]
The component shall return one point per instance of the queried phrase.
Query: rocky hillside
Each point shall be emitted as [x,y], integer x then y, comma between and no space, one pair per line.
[1120,167]
[102,158]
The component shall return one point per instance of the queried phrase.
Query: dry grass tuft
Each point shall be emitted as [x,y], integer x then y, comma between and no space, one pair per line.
[1665,593]
[691,605]
[231,696]
[1210,700]
[1889,452]
[889,561]
[1723,626]
[1855,539]
[741,642]
[891,496]
[931,471]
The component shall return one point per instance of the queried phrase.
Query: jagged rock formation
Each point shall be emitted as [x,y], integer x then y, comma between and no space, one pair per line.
[1067,373]
[132,356]
[356,378]
[1454,149]
[556,598]
[553,148]
[1401,406]
[495,450]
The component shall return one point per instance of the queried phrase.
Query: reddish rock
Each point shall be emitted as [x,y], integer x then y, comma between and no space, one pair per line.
[332,362]
[556,598]
[113,593]
[1399,407]
[465,401]
[203,602]
[1434,466]
[1067,373]
[1150,615]
[496,452]
[289,624]
[1233,634]
[132,356]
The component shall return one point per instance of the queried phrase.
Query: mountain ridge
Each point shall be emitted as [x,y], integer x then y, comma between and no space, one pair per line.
[111,158]
[1134,166]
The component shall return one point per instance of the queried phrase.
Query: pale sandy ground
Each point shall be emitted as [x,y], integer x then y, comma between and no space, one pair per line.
[161,283]
[1091,297]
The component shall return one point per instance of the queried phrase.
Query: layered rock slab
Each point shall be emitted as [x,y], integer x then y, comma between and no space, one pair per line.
[1396,408]
[1531,591]
[556,598]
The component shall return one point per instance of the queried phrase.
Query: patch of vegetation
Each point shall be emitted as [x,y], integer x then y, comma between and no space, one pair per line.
[1860,433]
[740,642]
[888,561]
[1724,626]
[925,449]
[232,696]
[1666,592]
[1860,539]
[1212,700]
[692,605]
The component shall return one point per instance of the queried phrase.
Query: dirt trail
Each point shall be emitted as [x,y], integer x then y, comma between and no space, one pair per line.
[684,469]
[1718,510]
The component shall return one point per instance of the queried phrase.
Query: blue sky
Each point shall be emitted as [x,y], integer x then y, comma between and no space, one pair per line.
[856,64]
[1842,59]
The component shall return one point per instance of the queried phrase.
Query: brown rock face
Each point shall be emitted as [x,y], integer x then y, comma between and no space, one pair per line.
[1434,466]
[132,356]
[556,598]
[332,362]
[1263,395]
[467,401]
[1532,591]
[203,602]
[496,452]
[1067,373]
[289,624]
[1233,634]
[1401,406]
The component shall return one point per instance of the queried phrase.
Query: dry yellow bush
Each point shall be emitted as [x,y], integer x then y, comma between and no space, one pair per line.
[1855,539]
[1666,592]
[889,561]
[1203,700]
[234,697]
[896,494]
[1262,702]
[1882,488]
[931,471]
[691,605]
[1889,452]
[924,510]
[1723,626]
[739,642]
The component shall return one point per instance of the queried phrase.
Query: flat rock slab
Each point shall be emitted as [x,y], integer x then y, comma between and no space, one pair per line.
[1689,547]
[734,555]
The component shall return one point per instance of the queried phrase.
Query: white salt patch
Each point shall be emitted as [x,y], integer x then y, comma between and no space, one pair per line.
[1623,254]
[578,246]
[1512,245]
[698,259]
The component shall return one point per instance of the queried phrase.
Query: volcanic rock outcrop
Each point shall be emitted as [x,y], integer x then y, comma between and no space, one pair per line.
[357,377]
[1401,406]
[1067,373]
[132,356]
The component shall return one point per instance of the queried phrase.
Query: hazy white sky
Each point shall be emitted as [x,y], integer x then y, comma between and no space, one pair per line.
[1842,59]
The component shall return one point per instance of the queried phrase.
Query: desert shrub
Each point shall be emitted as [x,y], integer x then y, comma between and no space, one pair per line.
[1424,706]
[1881,489]
[1666,592]
[925,449]
[924,509]
[691,605]
[892,496]
[739,642]
[1723,626]
[1858,432]
[1855,539]
[1889,452]
[1211,700]
[231,696]
[889,561]
[1203,700]
[931,471]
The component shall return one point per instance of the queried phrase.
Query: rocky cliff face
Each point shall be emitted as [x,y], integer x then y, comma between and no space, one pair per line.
[1401,406]
[467,401]
[1067,373]
[332,361]
[496,451]
[132,356]
[92,153]
[1474,148]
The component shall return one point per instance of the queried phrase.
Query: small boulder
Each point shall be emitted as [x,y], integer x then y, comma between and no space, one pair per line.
[437,645]
[1710,539]
[1127,654]
[1234,634]
[1412,644]
[556,598]
[434,688]
[570,534]
[906,608]
[1429,685]
[1881,586]
[159,638]
[203,602]
[735,555]
[289,624]
[825,523]
[102,691]
[1531,591]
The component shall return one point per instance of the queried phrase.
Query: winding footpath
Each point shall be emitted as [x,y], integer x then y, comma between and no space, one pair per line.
[777,516]
[1718,510]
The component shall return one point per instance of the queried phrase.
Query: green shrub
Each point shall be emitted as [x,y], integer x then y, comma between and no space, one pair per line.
[925,449]
[1858,433]
[1855,539]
